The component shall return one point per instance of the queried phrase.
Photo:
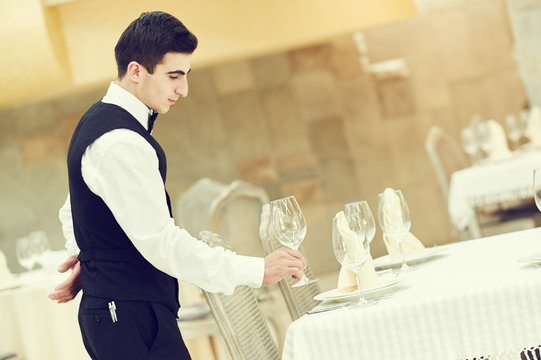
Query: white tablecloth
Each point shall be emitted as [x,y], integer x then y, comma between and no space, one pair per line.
[35,327]
[490,183]
[476,299]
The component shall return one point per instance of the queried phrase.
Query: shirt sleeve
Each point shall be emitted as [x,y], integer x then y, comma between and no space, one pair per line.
[64,215]
[122,168]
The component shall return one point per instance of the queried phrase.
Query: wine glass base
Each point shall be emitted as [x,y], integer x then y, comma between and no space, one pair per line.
[405,268]
[361,303]
[304,281]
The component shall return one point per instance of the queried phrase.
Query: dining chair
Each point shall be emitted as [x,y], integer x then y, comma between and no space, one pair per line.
[235,215]
[446,157]
[233,211]
[192,209]
[192,213]
[240,319]
[299,300]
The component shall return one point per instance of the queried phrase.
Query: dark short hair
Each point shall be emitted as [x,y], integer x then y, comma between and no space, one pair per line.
[149,37]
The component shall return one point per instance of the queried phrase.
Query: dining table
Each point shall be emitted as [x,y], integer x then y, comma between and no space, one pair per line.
[475,299]
[35,327]
[491,182]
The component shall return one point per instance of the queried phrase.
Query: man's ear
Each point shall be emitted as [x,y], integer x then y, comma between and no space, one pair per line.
[134,71]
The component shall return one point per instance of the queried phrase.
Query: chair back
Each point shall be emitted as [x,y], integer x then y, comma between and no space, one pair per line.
[298,299]
[241,321]
[235,215]
[192,211]
[445,156]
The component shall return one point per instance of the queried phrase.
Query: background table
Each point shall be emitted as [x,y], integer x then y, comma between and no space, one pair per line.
[34,326]
[476,299]
[501,181]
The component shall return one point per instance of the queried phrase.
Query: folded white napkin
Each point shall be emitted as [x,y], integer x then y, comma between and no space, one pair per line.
[498,141]
[533,128]
[392,212]
[367,273]
[5,274]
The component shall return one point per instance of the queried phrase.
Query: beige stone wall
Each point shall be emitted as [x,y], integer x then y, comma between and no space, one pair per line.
[308,122]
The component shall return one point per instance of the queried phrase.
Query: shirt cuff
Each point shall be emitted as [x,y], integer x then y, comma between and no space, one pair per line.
[251,270]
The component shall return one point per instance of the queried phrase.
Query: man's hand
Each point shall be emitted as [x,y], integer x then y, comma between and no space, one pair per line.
[282,263]
[67,290]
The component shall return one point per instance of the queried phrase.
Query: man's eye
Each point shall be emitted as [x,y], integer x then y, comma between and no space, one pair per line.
[173,77]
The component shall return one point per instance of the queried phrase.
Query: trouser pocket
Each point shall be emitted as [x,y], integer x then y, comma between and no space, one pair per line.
[130,337]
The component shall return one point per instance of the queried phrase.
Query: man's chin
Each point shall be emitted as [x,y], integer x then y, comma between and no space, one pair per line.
[164,110]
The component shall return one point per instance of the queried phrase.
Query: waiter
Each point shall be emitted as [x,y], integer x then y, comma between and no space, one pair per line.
[118,212]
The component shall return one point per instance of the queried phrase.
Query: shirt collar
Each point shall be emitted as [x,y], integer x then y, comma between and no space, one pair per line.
[119,96]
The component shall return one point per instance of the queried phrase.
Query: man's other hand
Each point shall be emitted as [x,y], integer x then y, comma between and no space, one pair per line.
[67,290]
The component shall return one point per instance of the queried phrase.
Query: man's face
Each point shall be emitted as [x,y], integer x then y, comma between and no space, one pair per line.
[169,81]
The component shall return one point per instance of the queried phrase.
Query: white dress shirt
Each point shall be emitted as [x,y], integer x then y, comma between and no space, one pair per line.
[121,167]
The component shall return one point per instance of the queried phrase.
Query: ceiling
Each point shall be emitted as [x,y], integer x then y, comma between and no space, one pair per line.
[60,45]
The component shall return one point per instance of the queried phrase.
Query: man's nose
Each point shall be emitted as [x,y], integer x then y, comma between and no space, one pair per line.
[182,90]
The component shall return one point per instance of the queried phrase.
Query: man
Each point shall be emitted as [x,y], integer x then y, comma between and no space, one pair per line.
[119,213]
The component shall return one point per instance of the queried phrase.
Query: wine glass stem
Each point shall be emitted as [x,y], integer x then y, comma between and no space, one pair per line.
[362,300]
[404,263]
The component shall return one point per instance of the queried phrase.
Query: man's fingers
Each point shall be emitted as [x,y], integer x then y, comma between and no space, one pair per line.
[68,263]
[297,255]
[63,285]
[283,263]
[70,280]
[296,273]
[64,295]
[69,288]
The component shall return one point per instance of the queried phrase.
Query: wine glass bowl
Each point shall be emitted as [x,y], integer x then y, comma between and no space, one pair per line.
[288,222]
[469,143]
[482,132]
[351,246]
[514,130]
[289,226]
[365,217]
[394,219]
[25,252]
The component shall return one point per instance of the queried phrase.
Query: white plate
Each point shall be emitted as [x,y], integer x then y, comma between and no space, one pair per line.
[534,259]
[368,293]
[9,285]
[385,262]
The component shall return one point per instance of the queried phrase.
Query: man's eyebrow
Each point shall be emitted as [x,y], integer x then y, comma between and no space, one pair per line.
[179,72]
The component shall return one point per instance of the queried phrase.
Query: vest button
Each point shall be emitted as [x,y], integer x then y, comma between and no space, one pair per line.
[97,318]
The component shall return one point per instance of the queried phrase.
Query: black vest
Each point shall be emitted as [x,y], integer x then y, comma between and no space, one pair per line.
[111,266]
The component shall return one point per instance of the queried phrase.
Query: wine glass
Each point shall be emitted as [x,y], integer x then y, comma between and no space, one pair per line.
[394,219]
[214,240]
[289,226]
[41,246]
[537,187]
[524,117]
[483,136]
[365,216]
[351,246]
[469,143]
[25,252]
[514,131]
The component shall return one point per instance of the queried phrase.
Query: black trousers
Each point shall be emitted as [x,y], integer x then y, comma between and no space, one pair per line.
[144,331]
